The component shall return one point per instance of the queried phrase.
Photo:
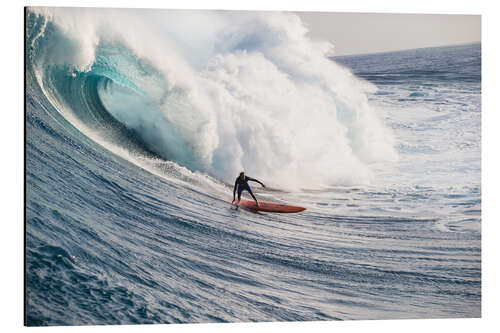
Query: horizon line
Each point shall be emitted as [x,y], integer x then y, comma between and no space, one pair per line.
[403,50]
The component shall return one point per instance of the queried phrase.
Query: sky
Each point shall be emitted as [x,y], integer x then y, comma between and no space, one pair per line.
[357,33]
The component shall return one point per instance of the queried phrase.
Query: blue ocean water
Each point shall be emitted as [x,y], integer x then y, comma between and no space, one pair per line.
[126,216]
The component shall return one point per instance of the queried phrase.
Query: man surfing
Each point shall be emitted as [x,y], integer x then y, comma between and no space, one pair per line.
[241,184]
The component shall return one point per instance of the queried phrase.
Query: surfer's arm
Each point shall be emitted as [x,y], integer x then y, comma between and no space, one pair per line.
[234,189]
[257,181]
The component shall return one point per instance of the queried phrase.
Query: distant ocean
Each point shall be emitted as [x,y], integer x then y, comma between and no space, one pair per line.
[134,136]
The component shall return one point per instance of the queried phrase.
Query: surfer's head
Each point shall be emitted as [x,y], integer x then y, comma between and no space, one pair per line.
[242,174]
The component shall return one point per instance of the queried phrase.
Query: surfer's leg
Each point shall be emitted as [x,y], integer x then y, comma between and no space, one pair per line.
[239,195]
[253,196]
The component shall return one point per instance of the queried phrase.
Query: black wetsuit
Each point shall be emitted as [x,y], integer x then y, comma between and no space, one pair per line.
[241,184]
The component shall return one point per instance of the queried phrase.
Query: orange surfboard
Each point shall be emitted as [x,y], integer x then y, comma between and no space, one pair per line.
[270,207]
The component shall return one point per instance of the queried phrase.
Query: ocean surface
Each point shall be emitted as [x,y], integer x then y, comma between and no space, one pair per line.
[137,126]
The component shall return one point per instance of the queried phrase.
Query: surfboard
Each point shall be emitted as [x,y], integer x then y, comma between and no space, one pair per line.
[270,207]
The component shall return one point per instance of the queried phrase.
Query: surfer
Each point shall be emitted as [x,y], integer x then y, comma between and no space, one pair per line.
[241,184]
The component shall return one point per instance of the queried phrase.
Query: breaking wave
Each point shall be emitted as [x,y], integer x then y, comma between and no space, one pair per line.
[210,92]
